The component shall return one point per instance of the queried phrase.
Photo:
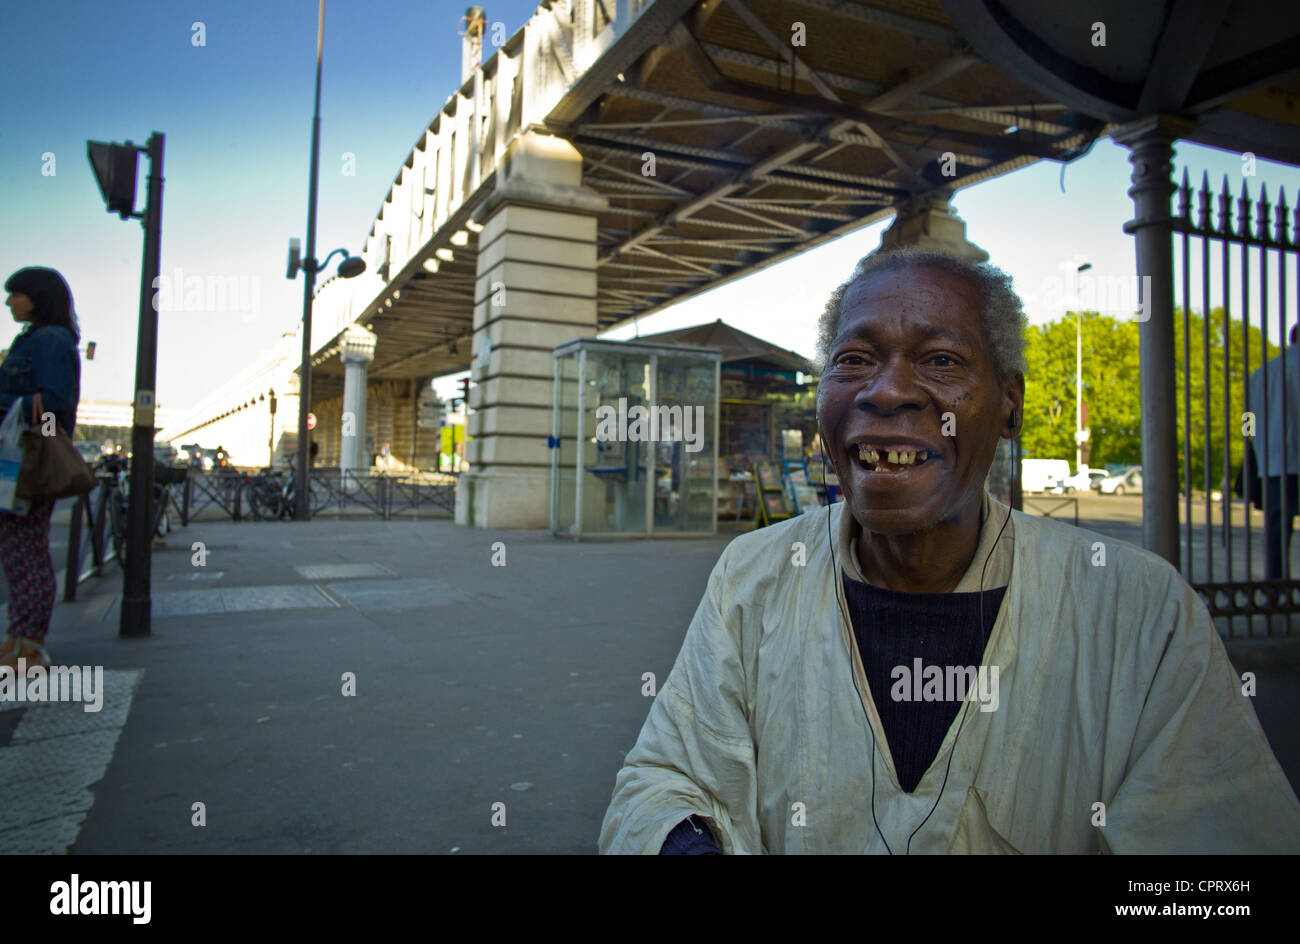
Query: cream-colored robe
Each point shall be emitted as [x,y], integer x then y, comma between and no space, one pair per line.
[1114,689]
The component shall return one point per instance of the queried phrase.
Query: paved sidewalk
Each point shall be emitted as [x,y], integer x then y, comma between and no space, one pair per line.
[475,685]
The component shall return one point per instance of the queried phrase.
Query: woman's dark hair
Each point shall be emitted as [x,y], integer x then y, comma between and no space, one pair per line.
[50,295]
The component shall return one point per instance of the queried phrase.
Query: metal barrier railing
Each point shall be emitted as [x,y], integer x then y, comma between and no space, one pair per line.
[1049,506]
[333,492]
[202,490]
[91,512]
[73,572]
[405,495]
[340,487]
[90,537]
[382,494]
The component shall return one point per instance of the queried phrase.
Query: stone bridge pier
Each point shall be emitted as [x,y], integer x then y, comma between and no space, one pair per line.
[535,289]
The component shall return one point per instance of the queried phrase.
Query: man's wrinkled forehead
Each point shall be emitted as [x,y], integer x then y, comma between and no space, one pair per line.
[920,290]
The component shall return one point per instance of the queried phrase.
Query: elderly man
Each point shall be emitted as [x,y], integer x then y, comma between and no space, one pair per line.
[920,669]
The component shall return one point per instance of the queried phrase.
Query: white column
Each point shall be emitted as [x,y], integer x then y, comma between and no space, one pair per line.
[358,350]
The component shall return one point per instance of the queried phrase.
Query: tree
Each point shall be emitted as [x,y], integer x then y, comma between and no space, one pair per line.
[1236,392]
[1112,392]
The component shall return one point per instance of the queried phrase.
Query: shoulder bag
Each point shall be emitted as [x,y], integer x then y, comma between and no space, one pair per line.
[51,467]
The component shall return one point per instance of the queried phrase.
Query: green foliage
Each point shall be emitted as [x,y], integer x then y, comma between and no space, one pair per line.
[1236,391]
[1111,391]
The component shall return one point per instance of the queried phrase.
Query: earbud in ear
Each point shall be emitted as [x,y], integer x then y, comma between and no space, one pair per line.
[1012,420]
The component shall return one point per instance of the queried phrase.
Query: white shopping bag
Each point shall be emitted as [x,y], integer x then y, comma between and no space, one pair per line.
[11,458]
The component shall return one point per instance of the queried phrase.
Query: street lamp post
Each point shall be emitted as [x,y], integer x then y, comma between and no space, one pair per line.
[1078,371]
[115,171]
[350,267]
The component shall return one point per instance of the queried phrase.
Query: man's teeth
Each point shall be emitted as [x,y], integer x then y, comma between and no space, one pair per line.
[892,456]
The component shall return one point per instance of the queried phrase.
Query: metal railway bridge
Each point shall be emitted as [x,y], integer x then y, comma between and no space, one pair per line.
[613,157]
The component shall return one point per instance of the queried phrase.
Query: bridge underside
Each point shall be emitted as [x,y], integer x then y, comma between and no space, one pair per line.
[624,155]
[723,148]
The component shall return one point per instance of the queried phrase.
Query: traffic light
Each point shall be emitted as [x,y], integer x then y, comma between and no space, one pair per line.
[114,166]
[464,392]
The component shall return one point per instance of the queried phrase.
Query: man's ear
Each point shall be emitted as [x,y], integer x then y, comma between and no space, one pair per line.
[1013,398]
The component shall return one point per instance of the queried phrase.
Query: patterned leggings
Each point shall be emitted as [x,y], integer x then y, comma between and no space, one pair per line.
[25,553]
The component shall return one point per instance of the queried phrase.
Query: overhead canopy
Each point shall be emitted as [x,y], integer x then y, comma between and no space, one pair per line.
[735,345]
[1231,66]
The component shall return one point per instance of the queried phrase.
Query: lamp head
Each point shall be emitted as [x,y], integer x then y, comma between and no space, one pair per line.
[351,267]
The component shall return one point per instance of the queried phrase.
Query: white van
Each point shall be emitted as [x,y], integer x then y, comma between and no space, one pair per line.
[1038,475]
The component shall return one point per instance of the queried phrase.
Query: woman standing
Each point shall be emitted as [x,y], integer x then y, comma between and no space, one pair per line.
[42,359]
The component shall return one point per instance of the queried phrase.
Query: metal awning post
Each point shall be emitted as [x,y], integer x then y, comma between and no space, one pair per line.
[1150,142]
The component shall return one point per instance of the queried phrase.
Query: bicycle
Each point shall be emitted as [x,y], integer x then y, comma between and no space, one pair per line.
[113,472]
[271,495]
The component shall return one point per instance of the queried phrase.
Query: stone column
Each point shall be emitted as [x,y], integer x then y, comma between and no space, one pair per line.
[1151,142]
[536,289]
[927,222]
[358,350]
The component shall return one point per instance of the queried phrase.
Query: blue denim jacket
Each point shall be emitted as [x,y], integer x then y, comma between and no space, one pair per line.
[43,358]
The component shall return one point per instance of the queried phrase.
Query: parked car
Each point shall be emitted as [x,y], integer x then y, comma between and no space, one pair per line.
[1041,475]
[1081,482]
[1128,482]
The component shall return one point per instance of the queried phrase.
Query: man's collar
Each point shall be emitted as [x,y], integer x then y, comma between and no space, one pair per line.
[998,574]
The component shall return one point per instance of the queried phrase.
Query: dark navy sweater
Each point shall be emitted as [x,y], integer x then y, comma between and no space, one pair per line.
[893,629]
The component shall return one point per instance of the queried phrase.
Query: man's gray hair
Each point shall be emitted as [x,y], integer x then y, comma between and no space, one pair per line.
[1002,317]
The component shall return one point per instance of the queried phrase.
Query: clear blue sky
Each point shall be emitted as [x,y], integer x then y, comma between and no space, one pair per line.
[237,115]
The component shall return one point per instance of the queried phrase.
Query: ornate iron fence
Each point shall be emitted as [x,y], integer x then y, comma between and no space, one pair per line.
[1249,261]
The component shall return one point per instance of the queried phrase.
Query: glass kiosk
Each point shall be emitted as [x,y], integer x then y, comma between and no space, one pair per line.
[634,440]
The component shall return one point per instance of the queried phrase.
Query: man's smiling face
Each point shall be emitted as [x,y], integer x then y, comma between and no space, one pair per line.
[909,350]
